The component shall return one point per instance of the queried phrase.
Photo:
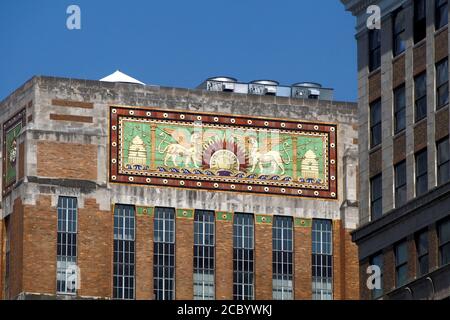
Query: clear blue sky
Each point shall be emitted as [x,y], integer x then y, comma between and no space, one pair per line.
[180,42]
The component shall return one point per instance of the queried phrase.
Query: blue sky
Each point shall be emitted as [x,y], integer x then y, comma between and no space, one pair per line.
[179,42]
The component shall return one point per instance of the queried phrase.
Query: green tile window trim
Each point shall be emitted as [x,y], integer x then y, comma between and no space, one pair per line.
[185,213]
[224,216]
[263,219]
[300,222]
[148,211]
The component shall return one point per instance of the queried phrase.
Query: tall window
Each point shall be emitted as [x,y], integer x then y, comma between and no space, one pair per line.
[374,49]
[441,13]
[399,109]
[164,254]
[420,96]
[377,260]
[443,161]
[243,257]
[322,260]
[444,242]
[422,252]
[400,184]
[124,252]
[282,263]
[376,197]
[420,17]
[399,32]
[204,241]
[421,172]
[375,123]
[442,83]
[66,277]
[401,263]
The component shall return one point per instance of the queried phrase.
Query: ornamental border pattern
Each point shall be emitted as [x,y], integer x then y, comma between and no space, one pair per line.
[116,175]
[18,118]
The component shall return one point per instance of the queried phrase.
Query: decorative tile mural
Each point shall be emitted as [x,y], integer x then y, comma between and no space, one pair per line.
[11,131]
[222,152]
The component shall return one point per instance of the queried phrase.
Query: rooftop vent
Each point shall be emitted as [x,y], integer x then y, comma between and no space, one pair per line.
[307,90]
[221,84]
[302,90]
[121,77]
[263,87]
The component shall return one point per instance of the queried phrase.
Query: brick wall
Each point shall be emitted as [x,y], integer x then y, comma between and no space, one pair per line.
[420,136]
[95,248]
[374,86]
[263,259]
[351,279]
[420,58]
[39,246]
[345,264]
[412,258]
[144,256]
[442,124]
[400,148]
[17,264]
[388,269]
[375,162]
[2,254]
[441,45]
[398,71]
[224,258]
[184,268]
[338,262]
[66,160]
[302,263]
[364,292]
[433,247]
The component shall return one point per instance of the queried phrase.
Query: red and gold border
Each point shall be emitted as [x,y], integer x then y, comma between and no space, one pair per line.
[116,112]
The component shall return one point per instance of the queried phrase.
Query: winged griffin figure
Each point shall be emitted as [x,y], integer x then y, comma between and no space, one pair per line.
[188,147]
[263,156]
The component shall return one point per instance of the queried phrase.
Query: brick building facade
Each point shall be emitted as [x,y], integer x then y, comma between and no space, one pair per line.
[403,147]
[105,195]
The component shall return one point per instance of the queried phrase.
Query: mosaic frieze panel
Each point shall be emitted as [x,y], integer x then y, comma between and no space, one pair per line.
[222,152]
[11,132]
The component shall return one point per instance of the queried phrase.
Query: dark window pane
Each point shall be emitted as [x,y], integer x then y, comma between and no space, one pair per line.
[376,197]
[374,49]
[401,263]
[375,123]
[399,32]
[443,161]
[420,86]
[399,109]
[441,13]
[400,184]
[442,83]
[419,20]
[421,172]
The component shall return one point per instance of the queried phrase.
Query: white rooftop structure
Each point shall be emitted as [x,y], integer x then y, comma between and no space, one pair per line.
[121,77]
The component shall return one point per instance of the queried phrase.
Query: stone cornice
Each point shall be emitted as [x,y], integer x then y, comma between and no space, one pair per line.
[356,6]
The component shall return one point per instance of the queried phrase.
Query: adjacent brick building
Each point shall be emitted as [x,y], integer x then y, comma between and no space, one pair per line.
[403,147]
[124,191]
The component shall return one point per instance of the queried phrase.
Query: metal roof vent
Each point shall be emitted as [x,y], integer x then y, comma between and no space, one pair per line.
[307,84]
[306,90]
[263,87]
[221,84]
